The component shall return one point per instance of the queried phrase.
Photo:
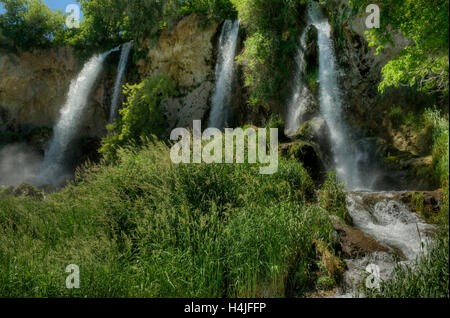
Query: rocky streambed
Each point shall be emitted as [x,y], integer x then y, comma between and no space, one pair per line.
[387,231]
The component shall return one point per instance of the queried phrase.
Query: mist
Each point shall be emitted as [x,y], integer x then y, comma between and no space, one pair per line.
[19,163]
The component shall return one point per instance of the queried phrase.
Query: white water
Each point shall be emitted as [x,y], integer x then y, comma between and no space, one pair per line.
[221,99]
[345,154]
[301,96]
[71,115]
[126,48]
[385,218]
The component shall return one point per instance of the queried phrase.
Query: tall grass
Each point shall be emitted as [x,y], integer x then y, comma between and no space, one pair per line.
[145,227]
[428,278]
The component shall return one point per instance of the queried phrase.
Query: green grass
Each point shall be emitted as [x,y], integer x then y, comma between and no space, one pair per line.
[145,227]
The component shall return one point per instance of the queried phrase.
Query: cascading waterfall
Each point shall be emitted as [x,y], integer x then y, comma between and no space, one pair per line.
[330,100]
[126,48]
[384,217]
[301,96]
[381,215]
[221,99]
[53,168]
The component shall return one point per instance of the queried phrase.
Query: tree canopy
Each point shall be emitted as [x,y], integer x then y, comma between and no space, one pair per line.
[424,63]
[27,24]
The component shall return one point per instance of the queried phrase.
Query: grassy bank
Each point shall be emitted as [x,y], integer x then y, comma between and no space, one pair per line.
[147,228]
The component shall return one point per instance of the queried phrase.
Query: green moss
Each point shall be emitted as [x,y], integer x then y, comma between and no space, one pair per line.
[312,80]
[325,283]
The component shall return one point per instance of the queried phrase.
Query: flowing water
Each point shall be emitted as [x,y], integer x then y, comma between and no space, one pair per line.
[331,106]
[381,215]
[221,99]
[126,48]
[385,218]
[71,115]
[301,96]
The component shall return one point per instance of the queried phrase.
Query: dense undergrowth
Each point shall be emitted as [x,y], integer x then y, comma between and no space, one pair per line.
[145,227]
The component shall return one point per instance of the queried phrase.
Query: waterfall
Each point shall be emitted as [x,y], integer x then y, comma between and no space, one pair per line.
[301,96]
[344,150]
[126,48]
[68,125]
[221,98]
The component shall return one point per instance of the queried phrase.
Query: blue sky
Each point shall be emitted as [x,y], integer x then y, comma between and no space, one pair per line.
[55,4]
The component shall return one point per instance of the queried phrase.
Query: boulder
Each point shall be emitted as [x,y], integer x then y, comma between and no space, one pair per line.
[306,153]
[24,190]
[355,243]
[311,50]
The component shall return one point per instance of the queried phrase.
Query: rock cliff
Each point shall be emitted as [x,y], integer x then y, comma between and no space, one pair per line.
[186,54]
[34,86]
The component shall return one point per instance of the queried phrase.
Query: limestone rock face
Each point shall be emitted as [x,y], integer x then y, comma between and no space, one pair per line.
[182,111]
[184,53]
[34,87]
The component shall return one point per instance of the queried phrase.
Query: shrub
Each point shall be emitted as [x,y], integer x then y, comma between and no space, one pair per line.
[272,31]
[332,198]
[142,115]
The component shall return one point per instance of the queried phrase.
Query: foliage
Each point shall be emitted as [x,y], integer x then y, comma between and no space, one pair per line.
[440,149]
[145,227]
[9,137]
[28,24]
[332,198]
[109,23]
[217,10]
[271,39]
[424,62]
[142,115]
[275,121]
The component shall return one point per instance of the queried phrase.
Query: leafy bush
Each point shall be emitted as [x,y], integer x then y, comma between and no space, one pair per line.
[271,40]
[424,63]
[142,115]
[332,198]
[218,10]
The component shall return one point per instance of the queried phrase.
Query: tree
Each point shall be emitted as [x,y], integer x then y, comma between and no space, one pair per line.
[28,24]
[424,63]
[108,23]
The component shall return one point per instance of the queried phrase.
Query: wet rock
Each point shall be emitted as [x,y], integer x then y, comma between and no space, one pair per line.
[355,243]
[311,50]
[424,203]
[24,190]
[306,153]
[315,130]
